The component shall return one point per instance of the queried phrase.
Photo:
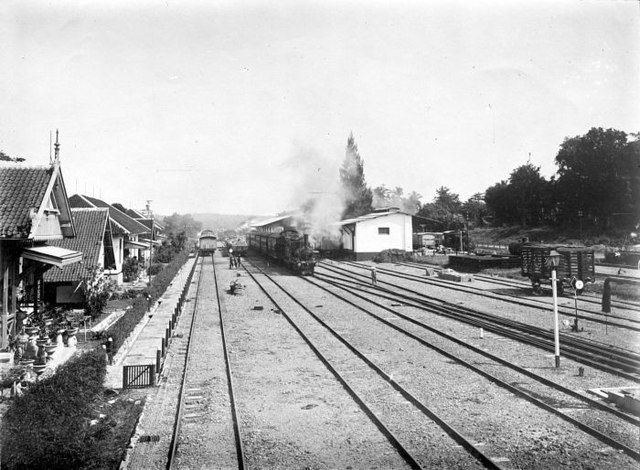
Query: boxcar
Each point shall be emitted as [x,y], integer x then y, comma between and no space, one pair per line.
[575,263]
[207,242]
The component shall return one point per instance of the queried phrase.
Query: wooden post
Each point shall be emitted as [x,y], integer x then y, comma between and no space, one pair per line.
[152,372]
[158,359]
[4,312]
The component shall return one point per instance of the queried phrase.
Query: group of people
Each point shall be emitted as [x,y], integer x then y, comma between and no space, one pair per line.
[234,261]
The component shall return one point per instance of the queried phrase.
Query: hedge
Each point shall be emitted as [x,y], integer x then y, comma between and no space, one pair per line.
[121,329]
[392,255]
[48,427]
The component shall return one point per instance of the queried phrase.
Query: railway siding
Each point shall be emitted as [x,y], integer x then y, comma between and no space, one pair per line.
[616,337]
[292,410]
[607,423]
[424,439]
[471,403]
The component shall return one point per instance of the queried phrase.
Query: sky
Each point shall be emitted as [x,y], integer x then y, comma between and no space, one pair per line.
[246,107]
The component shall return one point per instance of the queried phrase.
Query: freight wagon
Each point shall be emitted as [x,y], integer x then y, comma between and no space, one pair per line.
[575,263]
[207,242]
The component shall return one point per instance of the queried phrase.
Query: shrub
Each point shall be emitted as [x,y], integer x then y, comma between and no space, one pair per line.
[155,268]
[97,290]
[48,427]
[121,329]
[393,255]
[130,269]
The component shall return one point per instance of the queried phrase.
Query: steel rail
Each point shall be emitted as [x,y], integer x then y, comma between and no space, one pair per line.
[619,358]
[502,326]
[173,447]
[501,383]
[352,291]
[626,354]
[234,409]
[631,306]
[508,298]
[452,432]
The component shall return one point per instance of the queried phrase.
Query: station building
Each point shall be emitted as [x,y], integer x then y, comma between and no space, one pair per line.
[382,229]
[34,211]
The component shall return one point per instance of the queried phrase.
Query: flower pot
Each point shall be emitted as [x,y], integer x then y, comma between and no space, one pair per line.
[72,331]
[39,368]
[32,330]
[27,362]
[50,348]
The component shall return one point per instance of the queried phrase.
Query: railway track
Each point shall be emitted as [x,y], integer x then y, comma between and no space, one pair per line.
[622,304]
[540,403]
[594,405]
[395,441]
[618,361]
[632,324]
[191,417]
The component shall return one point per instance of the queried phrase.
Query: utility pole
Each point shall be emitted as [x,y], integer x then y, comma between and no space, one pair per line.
[150,213]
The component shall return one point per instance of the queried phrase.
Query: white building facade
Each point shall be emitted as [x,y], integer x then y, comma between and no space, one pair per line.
[372,233]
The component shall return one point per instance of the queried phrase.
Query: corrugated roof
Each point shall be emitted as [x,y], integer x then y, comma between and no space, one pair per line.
[370,216]
[22,188]
[271,220]
[90,226]
[122,222]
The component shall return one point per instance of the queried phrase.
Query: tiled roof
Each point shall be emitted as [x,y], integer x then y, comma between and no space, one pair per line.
[90,226]
[22,188]
[78,201]
[133,214]
[123,223]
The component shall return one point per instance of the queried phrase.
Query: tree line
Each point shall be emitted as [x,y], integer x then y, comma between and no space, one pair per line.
[597,184]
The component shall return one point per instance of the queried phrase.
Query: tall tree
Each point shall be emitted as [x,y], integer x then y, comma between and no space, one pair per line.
[357,195]
[530,195]
[475,210]
[6,158]
[176,224]
[594,179]
[445,209]
[385,197]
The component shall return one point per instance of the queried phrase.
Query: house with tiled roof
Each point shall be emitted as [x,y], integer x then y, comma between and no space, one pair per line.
[34,212]
[93,238]
[125,232]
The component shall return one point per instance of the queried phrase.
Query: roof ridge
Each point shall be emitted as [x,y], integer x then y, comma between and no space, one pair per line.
[105,209]
[5,164]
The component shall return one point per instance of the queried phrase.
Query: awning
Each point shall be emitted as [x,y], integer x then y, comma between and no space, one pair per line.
[146,242]
[139,245]
[54,255]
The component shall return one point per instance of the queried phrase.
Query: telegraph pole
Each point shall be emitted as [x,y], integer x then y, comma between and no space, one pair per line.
[150,213]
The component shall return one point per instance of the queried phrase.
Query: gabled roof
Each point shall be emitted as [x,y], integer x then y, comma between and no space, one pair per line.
[25,192]
[91,225]
[122,223]
[272,220]
[373,215]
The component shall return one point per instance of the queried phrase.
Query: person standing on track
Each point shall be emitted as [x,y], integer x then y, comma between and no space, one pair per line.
[374,276]
[230,258]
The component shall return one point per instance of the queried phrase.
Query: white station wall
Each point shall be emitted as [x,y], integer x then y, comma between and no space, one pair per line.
[369,240]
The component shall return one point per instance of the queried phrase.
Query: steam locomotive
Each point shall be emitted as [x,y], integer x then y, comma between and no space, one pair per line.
[288,247]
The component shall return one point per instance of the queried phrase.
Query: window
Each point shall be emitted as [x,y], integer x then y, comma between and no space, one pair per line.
[383,230]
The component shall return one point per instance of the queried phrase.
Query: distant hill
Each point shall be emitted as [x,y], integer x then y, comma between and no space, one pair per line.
[219,222]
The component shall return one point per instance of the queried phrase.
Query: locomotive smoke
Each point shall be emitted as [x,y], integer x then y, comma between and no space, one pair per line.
[316,190]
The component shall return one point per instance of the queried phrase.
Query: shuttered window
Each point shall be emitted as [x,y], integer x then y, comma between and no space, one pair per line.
[383,230]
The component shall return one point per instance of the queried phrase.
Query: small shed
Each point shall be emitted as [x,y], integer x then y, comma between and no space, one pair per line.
[382,229]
